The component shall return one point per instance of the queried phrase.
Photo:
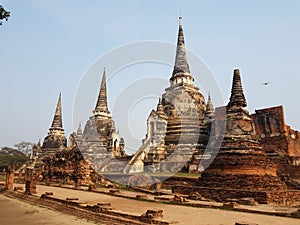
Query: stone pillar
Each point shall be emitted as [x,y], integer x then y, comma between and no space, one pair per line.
[20,177]
[9,180]
[30,183]
[20,174]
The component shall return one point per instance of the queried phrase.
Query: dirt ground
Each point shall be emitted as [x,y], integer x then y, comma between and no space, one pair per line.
[182,214]
[15,212]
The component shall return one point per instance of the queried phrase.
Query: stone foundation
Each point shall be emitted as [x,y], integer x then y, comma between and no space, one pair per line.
[222,195]
[99,213]
[241,181]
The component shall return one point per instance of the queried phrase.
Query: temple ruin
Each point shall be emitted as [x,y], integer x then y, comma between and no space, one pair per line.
[55,139]
[88,151]
[236,154]
[100,143]
[179,126]
[184,125]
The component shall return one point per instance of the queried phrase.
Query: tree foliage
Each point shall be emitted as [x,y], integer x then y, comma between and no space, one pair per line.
[11,157]
[3,14]
[24,147]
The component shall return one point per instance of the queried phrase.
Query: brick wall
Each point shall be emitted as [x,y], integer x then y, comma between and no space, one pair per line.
[223,195]
[274,134]
[287,166]
[240,181]
[87,212]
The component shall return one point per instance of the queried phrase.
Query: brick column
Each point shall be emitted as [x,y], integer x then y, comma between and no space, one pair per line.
[9,180]
[30,183]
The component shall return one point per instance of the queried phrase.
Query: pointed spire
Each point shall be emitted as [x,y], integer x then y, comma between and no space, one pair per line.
[237,97]
[57,126]
[39,143]
[79,130]
[209,105]
[181,65]
[160,109]
[101,106]
[159,105]
[210,111]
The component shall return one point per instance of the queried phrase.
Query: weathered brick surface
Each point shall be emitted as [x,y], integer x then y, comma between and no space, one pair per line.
[274,134]
[222,195]
[30,181]
[93,213]
[69,167]
[286,166]
[9,179]
[240,163]
[242,168]
[241,181]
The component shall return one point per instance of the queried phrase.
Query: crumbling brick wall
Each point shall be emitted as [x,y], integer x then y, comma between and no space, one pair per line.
[68,167]
[274,135]
[278,197]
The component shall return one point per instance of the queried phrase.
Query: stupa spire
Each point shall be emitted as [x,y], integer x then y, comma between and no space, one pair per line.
[79,130]
[181,66]
[57,126]
[237,97]
[209,105]
[210,111]
[159,108]
[101,105]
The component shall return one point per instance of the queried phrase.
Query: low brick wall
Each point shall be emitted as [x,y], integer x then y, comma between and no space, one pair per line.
[88,212]
[283,197]
[222,195]
[167,181]
[218,179]
[285,166]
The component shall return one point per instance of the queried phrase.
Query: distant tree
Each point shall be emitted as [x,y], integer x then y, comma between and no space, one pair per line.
[24,147]
[12,157]
[3,14]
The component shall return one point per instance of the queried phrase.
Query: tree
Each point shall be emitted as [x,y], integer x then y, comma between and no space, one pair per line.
[3,14]
[24,147]
[11,157]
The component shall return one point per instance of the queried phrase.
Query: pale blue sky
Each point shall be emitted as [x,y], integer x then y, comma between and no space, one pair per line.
[47,46]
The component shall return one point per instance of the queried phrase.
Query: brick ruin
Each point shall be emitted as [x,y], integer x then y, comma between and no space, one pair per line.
[241,156]
[88,152]
[182,126]
[55,139]
[30,181]
[275,136]
[240,162]
[9,178]
[100,143]
[243,166]
[254,154]
[280,142]
[69,167]
[179,126]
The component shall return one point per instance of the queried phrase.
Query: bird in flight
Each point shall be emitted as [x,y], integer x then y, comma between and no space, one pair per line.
[265,83]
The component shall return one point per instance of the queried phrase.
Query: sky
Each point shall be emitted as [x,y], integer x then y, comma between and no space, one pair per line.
[48,47]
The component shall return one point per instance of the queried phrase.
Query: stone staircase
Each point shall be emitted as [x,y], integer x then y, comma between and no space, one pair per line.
[138,157]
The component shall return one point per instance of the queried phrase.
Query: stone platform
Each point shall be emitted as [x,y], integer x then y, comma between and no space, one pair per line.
[276,197]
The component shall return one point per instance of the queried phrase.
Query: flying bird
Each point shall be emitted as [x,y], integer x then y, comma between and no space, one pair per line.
[265,83]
